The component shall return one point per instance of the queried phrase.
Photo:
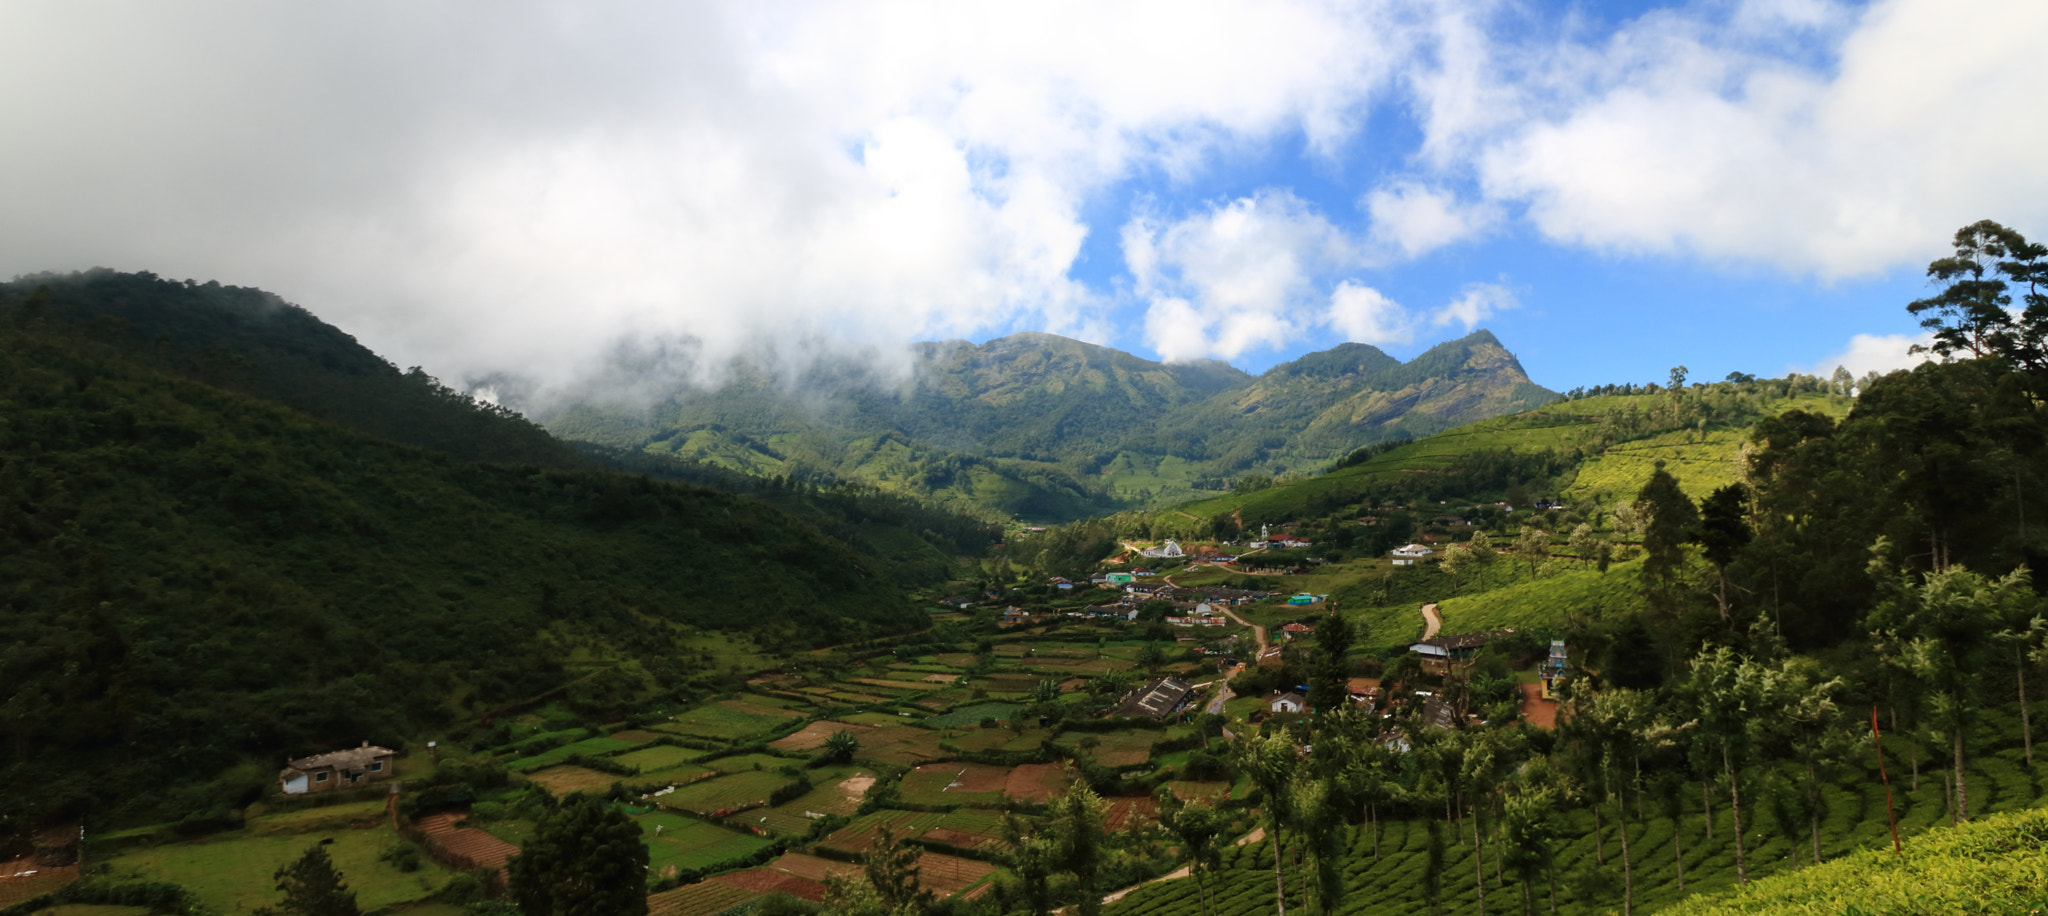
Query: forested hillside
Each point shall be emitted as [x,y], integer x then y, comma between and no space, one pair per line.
[195,577]
[1044,428]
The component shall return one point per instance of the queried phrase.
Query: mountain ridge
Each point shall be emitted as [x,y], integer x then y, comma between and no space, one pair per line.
[1050,428]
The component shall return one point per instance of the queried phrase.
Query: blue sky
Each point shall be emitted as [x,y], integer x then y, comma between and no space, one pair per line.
[549,189]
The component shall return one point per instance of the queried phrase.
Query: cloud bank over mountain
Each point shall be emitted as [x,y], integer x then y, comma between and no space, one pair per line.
[519,187]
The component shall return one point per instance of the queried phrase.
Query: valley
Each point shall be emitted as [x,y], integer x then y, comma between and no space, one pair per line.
[993,645]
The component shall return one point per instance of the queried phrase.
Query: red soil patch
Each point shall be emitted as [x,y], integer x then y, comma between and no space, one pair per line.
[946,875]
[1128,813]
[770,881]
[960,839]
[1537,711]
[23,878]
[1036,782]
[465,843]
[812,867]
[813,736]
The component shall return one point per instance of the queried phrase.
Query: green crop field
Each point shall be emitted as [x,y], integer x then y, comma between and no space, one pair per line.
[687,843]
[660,757]
[1391,883]
[838,791]
[1993,865]
[972,715]
[740,763]
[231,873]
[326,817]
[589,747]
[1586,594]
[725,793]
[728,720]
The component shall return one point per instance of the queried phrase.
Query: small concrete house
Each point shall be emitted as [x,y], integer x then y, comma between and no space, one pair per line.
[1410,554]
[336,769]
[1289,702]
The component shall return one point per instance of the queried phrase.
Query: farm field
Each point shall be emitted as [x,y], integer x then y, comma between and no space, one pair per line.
[725,793]
[838,790]
[728,720]
[232,872]
[1390,884]
[660,757]
[563,780]
[678,842]
[326,817]
[813,736]
[589,747]
[955,784]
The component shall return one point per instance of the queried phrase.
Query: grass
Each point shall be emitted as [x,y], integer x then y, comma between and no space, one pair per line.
[588,747]
[973,715]
[687,843]
[660,757]
[725,793]
[232,873]
[729,720]
[740,763]
[329,817]
[1586,593]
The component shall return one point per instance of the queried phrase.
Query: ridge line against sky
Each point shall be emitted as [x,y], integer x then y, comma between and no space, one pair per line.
[543,189]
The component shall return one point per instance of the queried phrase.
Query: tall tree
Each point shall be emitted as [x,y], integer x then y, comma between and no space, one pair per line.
[1270,761]
[1940,630]
[1330,675]
[312,887]
[1723,532]
[1197,827]
[1726,696]
[892,870]
[583,860]
[1078,839]
[1670,518]
[1973,313]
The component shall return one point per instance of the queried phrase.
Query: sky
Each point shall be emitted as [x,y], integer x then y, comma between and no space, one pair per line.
[552,190]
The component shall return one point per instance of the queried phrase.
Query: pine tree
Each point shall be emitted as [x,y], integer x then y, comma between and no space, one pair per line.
[583,860]
[312,887]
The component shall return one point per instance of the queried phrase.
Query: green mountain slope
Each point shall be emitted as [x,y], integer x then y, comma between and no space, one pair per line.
[216,578]
[254,342]
[1597,450]
[1045,428]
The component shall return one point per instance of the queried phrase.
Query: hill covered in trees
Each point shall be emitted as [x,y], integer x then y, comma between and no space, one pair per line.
[197,577]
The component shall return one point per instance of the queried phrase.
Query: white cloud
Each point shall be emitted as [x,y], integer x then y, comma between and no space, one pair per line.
[1365,315]
[1475,303]
[520,185]
[1684,133]
[1242,273]
[1866,353]
[1416,219]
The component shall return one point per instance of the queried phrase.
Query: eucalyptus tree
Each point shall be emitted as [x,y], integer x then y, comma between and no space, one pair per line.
[1807,726]
[2028,640]
[1725,693]
[1529,837]
[1319,822]
[1270,762]
[1197,827]
[1940,631]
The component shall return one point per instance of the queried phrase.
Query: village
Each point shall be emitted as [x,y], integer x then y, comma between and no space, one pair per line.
[1128,682]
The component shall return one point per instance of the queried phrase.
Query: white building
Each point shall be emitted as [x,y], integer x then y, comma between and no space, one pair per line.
[1410,554]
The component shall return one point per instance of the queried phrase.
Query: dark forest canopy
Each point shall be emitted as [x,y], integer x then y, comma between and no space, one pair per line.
[213,577]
